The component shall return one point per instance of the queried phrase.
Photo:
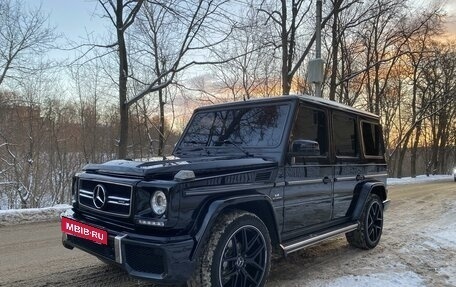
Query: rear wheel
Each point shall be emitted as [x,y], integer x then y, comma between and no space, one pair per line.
[238,253]
[370,227]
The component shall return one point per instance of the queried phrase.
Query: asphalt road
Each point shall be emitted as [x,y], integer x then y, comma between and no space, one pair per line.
[32,254]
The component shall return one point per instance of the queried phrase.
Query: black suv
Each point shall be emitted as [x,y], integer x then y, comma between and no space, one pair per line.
[247,178]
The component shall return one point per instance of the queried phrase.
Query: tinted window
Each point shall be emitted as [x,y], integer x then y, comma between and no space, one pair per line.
[311,125]
[251,126]
[372,139]
[345,136]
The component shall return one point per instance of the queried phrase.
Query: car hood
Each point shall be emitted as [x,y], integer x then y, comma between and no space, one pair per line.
[166,169]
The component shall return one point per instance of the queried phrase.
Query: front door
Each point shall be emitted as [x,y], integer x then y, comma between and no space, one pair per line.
[307,196]
[308,175]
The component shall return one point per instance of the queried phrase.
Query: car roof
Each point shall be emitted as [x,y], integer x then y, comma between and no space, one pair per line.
[301,98]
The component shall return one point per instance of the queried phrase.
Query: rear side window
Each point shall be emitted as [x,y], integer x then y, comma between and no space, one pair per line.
[345,135]
[372,139]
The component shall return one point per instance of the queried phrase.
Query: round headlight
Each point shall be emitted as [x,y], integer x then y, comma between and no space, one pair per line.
[158,202]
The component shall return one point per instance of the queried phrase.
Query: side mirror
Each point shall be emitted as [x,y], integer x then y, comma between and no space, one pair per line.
[305,148]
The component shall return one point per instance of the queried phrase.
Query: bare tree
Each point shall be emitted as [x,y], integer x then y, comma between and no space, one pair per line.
[254,71]
[25,33]
[419,51]
[343,51]
[290,21]
[122,14]
[439,74]
[197,27]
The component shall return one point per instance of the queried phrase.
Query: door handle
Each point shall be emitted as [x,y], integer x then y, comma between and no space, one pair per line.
[326,180]
[359,177]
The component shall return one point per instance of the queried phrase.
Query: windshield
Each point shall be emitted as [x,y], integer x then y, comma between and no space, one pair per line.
[246,127]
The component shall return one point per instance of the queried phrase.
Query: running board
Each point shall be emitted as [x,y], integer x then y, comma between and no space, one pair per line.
[315,238]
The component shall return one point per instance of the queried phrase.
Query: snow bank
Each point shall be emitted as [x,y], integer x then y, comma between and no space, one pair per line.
[30,215]
[419,179]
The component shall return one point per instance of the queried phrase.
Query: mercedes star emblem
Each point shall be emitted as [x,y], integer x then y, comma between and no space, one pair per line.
[99,196]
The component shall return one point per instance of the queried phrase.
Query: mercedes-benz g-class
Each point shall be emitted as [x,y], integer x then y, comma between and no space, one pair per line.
[247,178]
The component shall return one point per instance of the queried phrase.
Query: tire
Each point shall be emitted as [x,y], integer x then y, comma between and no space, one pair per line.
[370,227]
[238,253]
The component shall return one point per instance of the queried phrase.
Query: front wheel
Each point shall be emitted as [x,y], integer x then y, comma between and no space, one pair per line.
[238,253]
[370,227]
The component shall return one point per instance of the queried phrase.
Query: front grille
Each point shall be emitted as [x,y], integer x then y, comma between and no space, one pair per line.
[111,198]
[145,259]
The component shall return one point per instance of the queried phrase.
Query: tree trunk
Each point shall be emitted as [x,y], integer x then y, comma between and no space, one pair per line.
[402,153]
[443,143]
[414,150]
[335,50]
[401,160]
[414,118]
[284,34]
[123,74]
[435,147]
[161,128]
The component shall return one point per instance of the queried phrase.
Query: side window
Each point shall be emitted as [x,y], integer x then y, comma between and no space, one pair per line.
[345,135]
[310,132]
[372,140]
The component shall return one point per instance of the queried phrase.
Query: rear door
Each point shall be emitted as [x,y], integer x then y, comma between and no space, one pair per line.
[348,169]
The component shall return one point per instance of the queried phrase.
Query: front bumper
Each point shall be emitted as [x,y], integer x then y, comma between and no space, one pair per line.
[163,260]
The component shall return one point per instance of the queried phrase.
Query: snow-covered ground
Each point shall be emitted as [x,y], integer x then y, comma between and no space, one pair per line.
[403,279]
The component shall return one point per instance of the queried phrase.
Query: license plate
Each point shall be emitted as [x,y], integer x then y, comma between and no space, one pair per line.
[81,230]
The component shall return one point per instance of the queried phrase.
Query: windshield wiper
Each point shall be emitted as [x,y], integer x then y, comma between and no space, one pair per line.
[197,147]
[195,142]
[235,145]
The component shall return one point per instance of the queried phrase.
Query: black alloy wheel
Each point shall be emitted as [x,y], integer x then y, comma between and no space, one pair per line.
[244,258]
[237,254]
[370,229]
[375,222]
